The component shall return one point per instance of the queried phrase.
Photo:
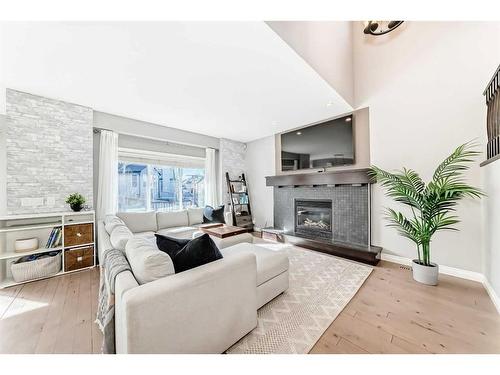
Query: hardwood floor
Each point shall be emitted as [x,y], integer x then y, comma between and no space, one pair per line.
[51,316]
[393,314]
[390,314]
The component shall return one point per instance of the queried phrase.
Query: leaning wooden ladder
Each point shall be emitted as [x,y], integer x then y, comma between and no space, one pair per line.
[239,202]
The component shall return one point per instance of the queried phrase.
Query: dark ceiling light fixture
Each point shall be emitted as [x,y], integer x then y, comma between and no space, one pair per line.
[380,27]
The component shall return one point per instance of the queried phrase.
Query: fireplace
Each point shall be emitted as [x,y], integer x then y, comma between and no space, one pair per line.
[313,218]
[327,212]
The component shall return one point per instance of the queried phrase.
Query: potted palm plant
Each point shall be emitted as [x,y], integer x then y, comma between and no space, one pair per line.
[431,206]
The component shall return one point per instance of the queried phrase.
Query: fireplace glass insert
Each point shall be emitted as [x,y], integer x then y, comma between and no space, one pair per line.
[313,218]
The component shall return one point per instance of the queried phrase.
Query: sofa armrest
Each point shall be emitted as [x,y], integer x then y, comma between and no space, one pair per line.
[203,310]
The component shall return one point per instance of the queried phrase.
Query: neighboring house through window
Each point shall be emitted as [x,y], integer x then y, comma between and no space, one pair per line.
[160,182]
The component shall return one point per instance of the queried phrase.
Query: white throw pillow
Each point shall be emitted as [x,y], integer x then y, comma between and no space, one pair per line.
[195,215]
[111,221]
[120,236]
[148,263]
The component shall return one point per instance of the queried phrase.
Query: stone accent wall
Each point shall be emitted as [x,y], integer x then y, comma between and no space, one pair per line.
[49,153]
[349,209]
[232,160]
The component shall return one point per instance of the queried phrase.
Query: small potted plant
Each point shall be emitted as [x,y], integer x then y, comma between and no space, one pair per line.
[431,205]
[76,201]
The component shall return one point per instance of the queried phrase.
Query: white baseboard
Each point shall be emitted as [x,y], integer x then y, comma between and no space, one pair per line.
[452,271]
[494,297]
[395,259]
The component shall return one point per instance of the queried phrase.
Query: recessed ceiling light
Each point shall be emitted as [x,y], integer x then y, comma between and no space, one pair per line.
[274,123]
[348,119]
[329,104]
[299,133]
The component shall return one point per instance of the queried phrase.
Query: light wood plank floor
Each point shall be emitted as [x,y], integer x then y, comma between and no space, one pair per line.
[51,316]
[389,314]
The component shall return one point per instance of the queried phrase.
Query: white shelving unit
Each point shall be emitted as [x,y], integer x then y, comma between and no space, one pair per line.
[39,225]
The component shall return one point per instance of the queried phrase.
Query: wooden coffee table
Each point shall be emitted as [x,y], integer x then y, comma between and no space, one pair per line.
[223,231]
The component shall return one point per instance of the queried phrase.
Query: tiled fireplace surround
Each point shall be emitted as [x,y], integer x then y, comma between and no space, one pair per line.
[350,209]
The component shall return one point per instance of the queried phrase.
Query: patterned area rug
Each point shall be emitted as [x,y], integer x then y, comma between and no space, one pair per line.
[320,287]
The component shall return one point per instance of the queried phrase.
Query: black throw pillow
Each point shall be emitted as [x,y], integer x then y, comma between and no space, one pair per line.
[170,245]
[213,215]
[195,253]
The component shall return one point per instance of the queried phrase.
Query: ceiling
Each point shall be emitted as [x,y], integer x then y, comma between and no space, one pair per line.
[237,80]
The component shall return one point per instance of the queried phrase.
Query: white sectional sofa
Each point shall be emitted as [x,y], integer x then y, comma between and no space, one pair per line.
[203,310]
[180,224]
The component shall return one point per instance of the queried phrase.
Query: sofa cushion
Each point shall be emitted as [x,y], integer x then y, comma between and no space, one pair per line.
[222,243]
[195,215]
[111,221]
[270,263]
[178,232]
[149,235]
[120,236]
[195,253]
[148,263]
[139,221]
[172,219]
[213,215]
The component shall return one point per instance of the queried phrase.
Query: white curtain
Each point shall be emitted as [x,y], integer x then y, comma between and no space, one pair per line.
[107,189]
[210,178]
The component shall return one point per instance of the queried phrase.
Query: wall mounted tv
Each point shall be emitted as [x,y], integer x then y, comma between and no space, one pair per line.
[327,144]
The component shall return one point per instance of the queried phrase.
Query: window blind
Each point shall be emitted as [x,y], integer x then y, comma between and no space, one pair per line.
[158,158]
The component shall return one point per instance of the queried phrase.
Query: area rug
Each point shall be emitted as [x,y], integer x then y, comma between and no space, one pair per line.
[320,287]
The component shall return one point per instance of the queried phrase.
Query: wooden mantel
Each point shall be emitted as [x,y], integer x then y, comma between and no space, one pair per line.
[344,177]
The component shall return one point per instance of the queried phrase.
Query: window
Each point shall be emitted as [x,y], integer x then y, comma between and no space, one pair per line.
[132,187]
[158,186]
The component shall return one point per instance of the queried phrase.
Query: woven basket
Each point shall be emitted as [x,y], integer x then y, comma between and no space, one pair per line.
[35,269]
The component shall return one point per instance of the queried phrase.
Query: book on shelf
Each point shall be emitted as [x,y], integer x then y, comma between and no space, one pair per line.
[54,238]
[57,241]
[50,238]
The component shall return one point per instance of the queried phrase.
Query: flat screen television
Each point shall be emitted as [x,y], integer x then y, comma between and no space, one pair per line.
[327,144]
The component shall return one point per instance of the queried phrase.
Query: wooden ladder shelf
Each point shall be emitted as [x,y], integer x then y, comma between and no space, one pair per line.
[240,202]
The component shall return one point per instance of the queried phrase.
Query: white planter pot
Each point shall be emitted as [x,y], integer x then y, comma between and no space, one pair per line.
[425,274]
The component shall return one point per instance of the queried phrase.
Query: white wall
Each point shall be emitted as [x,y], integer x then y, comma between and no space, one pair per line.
[423,84]
[3,166]
[260,156]
[326,47]
[491,222]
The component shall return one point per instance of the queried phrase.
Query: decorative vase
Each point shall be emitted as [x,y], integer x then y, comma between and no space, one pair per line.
[425,274]
[76,207]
